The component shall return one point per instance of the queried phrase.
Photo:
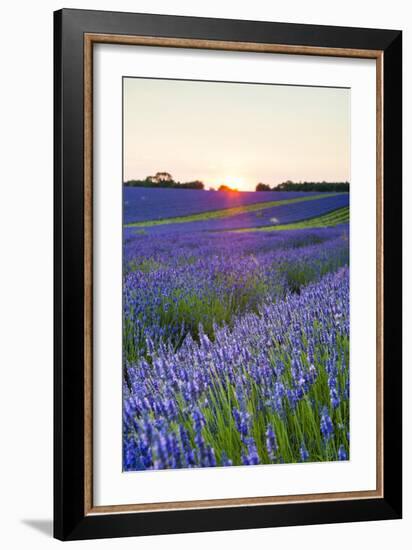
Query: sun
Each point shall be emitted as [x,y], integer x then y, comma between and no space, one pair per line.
[234,182]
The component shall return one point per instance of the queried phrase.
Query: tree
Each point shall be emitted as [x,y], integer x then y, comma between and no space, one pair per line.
[262,187]
[163,180]
[227,189]
[196,184]
[160,177]
[329,187]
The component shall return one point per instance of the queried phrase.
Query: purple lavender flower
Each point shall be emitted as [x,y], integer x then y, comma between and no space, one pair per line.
[271,443]
[342,455]
[130,454]
[225,461]
[211,458]
[251,457]
[242,421]
[326,425]
[334,398]
[304,454]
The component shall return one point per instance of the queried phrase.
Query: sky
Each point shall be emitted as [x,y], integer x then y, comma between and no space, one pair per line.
[234,133]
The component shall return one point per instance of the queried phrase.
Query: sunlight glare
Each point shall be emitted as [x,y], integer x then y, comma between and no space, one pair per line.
[235,182]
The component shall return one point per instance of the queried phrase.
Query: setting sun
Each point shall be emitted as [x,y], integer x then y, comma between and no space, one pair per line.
[234,182]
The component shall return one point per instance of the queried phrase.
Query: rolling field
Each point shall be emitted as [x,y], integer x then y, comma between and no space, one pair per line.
[262,214]
[145,203]
[235,343]
[332,218]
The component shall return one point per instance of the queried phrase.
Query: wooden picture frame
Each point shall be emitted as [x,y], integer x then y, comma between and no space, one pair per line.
[76,33]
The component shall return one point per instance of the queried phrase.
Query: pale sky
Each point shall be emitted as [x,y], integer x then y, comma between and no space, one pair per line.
[236,134]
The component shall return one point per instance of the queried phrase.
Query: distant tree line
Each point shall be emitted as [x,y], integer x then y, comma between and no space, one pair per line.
[340,186]
[164,180]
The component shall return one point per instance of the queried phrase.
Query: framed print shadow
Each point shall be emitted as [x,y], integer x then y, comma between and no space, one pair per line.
[228,274]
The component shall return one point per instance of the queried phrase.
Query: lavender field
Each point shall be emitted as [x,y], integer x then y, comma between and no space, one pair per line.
[145,203]
[235,339]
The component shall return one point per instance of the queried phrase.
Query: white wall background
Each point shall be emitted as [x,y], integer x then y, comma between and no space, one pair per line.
[26,324]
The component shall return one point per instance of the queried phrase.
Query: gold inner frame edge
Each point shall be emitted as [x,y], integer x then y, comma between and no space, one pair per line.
[89,40]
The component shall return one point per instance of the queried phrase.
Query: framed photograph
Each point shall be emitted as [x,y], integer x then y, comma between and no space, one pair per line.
[228,202]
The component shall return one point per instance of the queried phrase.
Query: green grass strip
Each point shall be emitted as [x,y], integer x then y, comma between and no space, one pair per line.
[330,219]
[226,212]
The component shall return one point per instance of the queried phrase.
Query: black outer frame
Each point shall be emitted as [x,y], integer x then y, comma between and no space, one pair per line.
[70,522]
